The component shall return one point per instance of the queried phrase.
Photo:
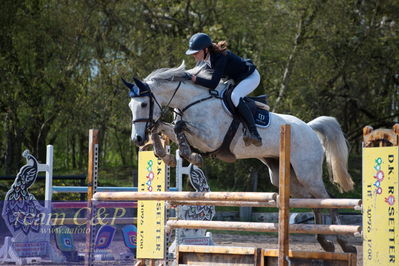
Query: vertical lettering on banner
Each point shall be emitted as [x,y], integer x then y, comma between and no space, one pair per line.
[380,206]
[151,213]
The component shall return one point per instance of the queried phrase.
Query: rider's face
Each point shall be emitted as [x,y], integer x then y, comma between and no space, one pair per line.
[199,56]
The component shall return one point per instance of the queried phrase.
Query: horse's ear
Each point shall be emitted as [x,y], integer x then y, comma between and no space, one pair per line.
[139,83]
[142,86]
[127,84]
[133,90]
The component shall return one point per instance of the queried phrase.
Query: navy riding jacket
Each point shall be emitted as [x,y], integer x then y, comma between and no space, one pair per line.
[228,66]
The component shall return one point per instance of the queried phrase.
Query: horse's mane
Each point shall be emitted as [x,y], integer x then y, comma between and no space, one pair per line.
[178,72]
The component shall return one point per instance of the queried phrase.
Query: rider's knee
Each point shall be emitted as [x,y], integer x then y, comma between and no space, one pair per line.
[235,97]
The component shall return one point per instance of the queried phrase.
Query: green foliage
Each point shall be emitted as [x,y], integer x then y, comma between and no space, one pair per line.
[61,64]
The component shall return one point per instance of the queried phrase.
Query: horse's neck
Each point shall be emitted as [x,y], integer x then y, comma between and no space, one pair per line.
[207,128]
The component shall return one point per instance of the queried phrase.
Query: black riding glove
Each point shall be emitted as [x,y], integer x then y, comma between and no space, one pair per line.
[187,75]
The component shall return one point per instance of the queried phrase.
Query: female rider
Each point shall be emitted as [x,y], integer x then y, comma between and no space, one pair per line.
[226,64]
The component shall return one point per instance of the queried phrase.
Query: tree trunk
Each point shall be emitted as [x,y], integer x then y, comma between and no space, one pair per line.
[73,155]
[303,24]
[13,147]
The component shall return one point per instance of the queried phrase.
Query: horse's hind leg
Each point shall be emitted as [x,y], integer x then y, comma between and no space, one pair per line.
[320,192]
[317,189]
[299,190]
[342,240]
[309,175]
[327,245]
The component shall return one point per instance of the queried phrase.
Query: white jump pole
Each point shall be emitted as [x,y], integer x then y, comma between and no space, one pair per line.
[180,171]
[48,168]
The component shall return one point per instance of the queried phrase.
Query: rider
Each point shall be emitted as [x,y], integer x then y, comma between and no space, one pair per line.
[226,64]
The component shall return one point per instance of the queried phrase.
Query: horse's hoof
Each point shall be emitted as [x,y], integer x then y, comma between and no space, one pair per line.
[327,245]
[184,154]
[196,159]
[345,246]
[349,249]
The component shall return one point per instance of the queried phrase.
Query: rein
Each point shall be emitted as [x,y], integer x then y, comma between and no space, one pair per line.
[194,103]
[213,94]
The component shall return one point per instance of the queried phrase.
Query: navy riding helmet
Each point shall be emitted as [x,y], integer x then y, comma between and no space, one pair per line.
[198,42]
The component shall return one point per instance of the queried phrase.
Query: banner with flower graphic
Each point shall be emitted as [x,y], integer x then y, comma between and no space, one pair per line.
[380,206]
[150,213]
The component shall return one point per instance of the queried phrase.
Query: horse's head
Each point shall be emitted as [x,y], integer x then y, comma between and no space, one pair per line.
[145,110]
[163,88]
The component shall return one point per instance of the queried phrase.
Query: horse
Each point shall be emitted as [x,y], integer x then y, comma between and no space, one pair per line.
[202,123]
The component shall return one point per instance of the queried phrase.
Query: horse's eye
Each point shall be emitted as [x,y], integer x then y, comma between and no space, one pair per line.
[143,105]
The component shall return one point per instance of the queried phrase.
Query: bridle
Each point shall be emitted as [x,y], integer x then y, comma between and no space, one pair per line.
[150,121]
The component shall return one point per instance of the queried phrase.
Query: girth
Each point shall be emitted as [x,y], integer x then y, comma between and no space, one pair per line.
[223,152]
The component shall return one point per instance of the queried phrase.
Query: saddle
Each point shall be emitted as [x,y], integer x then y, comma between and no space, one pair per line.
[260,111]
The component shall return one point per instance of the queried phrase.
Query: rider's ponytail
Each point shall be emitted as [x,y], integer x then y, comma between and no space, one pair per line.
[220,47]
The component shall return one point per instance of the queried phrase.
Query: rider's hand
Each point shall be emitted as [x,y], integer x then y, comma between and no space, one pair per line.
[193,78]
[188,76]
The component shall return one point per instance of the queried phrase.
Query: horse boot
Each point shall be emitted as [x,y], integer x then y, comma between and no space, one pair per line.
[246,114]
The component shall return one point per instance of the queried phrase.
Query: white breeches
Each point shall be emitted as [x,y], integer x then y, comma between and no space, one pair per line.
[245,87]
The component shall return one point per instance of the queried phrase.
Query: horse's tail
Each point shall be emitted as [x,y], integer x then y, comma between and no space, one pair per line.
[335,145]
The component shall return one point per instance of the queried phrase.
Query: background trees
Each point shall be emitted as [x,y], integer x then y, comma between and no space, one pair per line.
[61,63]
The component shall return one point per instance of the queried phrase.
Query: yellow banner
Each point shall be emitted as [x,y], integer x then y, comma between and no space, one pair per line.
[380,206]
[151,214]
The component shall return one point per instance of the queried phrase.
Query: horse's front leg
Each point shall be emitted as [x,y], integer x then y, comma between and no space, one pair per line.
[184,146]
[160,151]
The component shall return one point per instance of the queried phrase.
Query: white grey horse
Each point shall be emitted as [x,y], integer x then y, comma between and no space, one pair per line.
[205,123]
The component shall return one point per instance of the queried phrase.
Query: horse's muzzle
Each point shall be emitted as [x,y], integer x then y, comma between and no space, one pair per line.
[139,140]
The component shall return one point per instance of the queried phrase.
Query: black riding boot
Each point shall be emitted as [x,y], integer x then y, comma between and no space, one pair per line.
[246,114]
